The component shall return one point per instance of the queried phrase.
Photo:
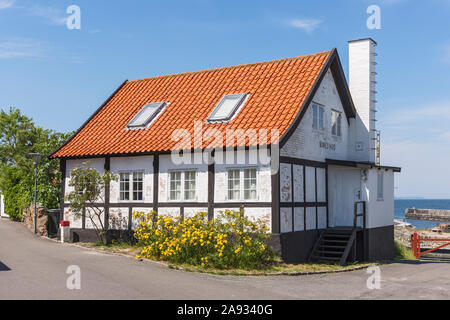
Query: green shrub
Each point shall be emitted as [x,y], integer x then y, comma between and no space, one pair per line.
[402,252]
[230,241]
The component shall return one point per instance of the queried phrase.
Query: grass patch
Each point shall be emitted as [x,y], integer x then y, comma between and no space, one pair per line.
[402,252]
[278,268]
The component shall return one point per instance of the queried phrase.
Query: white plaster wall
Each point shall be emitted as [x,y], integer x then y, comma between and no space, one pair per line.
[286,220]
[322,217]
[134,222]
[379,213]
[299,219]
[311,218]
[305,141]
[263,178]
[286,182]
[310,184]
[254,214]
[75,223]
[299,193]
[118,218]
[170,212]
[91,213]
[129,164]
[190,212]
[166,165]
[321,185]
[97,163]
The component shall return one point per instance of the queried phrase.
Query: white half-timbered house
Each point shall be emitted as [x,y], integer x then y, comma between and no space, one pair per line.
[303,154]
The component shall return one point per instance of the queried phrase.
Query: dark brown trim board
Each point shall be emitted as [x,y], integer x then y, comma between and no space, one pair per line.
[211,187]
[62,168]
[303,162]
[276,202]
[155,183]
[107,193]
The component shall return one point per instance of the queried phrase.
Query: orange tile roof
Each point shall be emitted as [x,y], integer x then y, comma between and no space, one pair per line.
[278,90]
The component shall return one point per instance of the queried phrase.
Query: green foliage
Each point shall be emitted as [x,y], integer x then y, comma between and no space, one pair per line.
[18,137]
[402,252]
[230,241]
[88,185]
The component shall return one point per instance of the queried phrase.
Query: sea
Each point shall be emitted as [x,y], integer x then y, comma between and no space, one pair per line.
[402,204]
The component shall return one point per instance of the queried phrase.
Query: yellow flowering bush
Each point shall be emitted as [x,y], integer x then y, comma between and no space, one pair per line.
[229,241]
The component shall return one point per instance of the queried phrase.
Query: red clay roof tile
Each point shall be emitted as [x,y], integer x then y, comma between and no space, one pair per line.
[277,91]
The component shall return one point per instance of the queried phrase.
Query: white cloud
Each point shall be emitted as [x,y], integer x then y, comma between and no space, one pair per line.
[21,48]
[5,4]
[53,15]
[307,25]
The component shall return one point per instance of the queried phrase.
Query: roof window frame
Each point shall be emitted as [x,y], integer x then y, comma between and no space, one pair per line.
[242,99]
[150,119]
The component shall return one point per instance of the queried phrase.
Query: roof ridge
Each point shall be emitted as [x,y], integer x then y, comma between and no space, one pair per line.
[234,66]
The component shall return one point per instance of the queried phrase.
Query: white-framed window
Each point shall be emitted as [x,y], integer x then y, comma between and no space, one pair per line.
[227,107]
[380,184]
[336,123]
[183,186]
[242,184]
[131,185]
[318,117]
[146,115]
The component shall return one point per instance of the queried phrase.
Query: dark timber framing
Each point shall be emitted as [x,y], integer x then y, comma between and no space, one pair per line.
[62,168]
[211,186]
[155,203]
[316,204]
[107,193]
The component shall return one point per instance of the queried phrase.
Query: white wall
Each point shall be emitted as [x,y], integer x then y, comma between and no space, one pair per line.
[305,141]
[380,213]
[97,163]
[129,164]
[166,165]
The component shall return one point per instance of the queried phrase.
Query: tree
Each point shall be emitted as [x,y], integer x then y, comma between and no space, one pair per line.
[88,191]
[18,137]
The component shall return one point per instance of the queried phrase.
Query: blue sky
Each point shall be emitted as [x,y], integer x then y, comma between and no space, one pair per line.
[60,76]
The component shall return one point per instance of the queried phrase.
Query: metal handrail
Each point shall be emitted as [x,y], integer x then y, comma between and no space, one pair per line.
[357,215]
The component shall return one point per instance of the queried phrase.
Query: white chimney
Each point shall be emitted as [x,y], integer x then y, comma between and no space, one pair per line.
[362,79]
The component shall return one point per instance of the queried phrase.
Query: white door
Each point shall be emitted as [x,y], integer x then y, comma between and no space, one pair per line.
[344,190]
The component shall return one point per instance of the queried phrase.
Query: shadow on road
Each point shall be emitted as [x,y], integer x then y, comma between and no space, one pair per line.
[423,261]
[4,267]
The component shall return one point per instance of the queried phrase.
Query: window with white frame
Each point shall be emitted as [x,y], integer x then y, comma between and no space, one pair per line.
[131,186]
[318,117]
[242,184]
[227,107]
[380,193]
[336,123]
[182,186]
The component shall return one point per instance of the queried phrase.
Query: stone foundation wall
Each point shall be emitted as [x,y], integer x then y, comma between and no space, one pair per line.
[42,220]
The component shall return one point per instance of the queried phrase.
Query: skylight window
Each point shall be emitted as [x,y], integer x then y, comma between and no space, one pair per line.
[227,107]
[146,115]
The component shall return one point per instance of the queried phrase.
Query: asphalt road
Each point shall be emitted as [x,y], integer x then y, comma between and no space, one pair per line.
[35,268]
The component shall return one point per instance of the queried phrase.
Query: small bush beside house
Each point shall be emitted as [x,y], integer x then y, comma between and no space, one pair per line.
[229,241]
